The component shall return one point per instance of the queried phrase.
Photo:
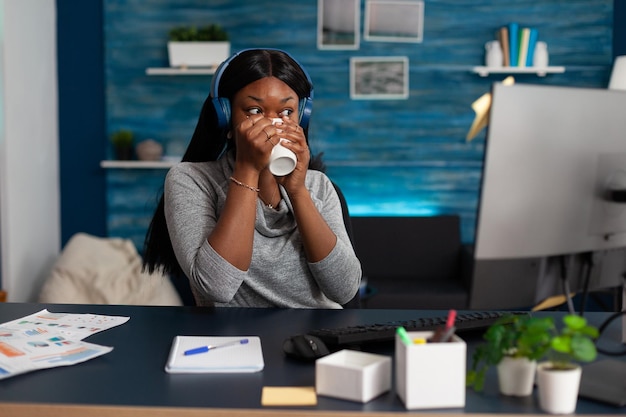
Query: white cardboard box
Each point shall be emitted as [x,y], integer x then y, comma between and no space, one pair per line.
[430,375]
[353,375]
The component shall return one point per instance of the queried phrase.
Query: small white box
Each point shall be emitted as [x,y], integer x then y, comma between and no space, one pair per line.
[353,375]
[431,375]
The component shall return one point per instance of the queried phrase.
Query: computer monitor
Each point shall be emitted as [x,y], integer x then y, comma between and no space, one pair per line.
[554,166]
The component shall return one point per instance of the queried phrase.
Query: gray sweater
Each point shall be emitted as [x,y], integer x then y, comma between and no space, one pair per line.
[279,274]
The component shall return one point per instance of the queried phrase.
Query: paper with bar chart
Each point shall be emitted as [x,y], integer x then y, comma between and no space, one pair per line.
[46,340]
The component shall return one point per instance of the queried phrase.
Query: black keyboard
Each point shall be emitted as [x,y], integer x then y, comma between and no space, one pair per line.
[385,332]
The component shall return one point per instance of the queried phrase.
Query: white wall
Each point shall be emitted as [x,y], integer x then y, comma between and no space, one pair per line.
[29,167]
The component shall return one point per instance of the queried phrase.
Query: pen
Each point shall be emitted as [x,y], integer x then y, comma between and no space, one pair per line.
[451,318]
[203,349]
[449,329]
[403,335]
[444,334]
[447,334]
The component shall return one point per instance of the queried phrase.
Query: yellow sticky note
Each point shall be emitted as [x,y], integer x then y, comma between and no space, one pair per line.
[288,396]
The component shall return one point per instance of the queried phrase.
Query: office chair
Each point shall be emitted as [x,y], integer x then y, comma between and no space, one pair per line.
[347,221]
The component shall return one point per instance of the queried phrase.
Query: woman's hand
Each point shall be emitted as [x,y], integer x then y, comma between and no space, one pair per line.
[296,142]
[255,137]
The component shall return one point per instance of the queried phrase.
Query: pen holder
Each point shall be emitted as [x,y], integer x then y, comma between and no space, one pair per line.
[430,375]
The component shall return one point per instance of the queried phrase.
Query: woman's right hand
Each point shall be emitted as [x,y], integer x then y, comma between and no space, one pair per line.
[255,137]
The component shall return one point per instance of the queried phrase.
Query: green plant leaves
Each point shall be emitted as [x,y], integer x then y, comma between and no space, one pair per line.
[122,138]
[533,338]
[583,349]
[211,32]
[575,342]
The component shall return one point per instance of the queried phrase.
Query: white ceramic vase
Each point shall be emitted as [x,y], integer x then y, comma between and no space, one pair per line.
[493,54]
[540,56]
[558,389]
[516,376]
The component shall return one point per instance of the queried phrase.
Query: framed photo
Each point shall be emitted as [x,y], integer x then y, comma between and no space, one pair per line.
[338,24]
[379,78]
[394,20]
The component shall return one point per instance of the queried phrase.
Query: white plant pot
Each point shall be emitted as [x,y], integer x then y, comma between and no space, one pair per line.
[516,376]
[558,389]
[197,54]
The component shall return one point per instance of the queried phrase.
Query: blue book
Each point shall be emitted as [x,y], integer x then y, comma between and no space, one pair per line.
[532,40]
[513,43]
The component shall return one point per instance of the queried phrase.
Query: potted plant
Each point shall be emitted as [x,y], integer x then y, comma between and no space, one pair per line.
[191,46]
[558,379]
[513,344]
[122,141]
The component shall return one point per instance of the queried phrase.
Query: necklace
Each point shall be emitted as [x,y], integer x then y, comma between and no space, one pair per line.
[269,205]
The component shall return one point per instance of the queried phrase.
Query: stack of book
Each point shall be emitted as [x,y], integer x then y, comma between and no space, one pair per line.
[518,45]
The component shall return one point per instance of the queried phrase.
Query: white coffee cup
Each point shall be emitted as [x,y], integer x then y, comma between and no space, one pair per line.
[282,160]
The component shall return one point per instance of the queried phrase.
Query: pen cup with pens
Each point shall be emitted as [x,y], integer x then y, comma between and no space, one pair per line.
[430,370]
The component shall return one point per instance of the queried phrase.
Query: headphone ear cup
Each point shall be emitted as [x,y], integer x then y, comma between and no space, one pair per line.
[305,109]
[222,110]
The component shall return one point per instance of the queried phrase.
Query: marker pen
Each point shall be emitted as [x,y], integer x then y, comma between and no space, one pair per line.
[404,335]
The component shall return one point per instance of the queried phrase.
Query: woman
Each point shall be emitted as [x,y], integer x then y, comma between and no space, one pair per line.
[241,235]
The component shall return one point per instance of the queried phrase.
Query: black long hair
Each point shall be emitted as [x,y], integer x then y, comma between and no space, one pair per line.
[209,141]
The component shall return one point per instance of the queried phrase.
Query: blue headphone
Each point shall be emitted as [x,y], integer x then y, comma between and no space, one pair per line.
[222,104]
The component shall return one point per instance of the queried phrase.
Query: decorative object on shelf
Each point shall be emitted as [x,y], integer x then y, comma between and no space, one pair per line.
[540,55]
[493,54]
[190,46]
[122,141]
[519,52]
[513,344]
[519,44]
[149,150]
[558,379]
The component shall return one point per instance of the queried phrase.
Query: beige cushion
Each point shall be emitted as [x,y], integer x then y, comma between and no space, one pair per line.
[93,270]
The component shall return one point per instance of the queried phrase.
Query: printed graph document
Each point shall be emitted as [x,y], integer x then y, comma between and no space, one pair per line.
[207,354]
[73,326]
[47,340]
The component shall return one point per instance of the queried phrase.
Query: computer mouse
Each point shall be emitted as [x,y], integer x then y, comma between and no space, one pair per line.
[305,347]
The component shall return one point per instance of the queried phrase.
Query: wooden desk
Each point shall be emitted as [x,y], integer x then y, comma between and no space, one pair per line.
[131,381]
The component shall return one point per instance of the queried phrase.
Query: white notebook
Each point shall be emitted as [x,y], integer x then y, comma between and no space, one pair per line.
[217,354]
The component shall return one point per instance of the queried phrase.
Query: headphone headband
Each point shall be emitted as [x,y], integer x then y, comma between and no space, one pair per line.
[222,104]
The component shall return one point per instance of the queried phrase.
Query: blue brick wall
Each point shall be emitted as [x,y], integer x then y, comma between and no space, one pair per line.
[392,157]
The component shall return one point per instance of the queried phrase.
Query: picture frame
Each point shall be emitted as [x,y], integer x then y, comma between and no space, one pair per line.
[338,24]
[379,78]
[394,21]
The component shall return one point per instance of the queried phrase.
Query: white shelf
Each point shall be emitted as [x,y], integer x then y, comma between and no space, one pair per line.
[181,71]
[138,164]
[540,71]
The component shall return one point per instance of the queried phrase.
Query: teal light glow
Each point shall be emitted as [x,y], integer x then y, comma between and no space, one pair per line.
[391,208]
